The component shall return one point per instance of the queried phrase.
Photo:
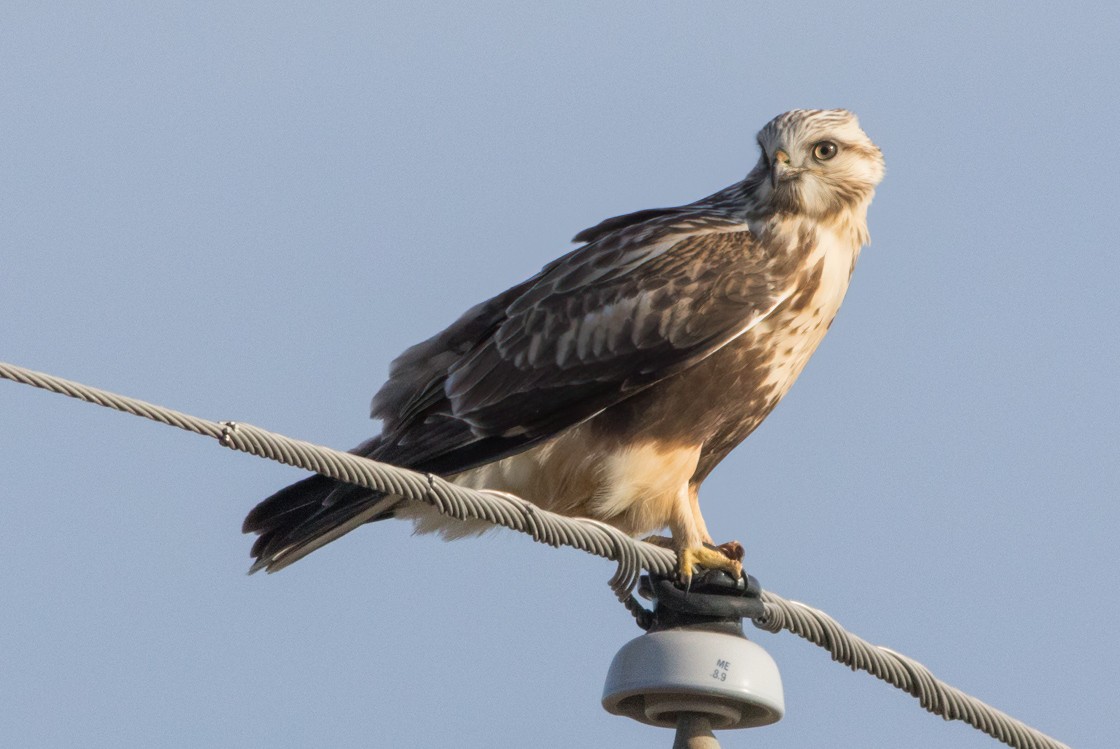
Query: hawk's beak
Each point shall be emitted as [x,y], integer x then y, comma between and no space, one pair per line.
[779,165]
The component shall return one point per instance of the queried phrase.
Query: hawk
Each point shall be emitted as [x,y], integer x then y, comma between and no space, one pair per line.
[611,383]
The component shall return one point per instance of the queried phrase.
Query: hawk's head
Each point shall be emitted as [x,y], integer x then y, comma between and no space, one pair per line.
[816,162]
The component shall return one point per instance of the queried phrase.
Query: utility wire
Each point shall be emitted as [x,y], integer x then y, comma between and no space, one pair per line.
[631,555]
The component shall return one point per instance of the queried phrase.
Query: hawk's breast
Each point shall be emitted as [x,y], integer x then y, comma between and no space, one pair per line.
[718,402]
[751,375]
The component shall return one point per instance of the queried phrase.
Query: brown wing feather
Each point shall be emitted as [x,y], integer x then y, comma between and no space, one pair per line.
[585,335]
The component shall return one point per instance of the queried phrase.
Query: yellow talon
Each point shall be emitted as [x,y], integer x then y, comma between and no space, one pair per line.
[693,558]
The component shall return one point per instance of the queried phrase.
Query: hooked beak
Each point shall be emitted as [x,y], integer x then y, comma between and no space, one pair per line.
[780,165]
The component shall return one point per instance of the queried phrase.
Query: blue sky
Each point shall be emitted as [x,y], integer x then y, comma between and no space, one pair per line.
[245,211]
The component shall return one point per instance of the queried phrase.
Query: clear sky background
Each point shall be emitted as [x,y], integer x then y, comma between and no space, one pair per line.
[245,211]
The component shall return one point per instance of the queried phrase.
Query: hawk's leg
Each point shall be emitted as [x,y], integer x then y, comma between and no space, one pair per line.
[694,546]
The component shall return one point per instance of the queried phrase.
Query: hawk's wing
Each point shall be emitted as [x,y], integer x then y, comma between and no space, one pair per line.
[593,328]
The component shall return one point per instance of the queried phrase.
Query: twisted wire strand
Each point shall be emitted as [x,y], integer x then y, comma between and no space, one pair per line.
[631,556]
[898,670]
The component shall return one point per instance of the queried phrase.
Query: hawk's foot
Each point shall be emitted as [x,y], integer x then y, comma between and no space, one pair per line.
[726,557]
[691,559]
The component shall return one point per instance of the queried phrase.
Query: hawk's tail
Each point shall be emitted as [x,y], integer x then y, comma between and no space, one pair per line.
[300,518]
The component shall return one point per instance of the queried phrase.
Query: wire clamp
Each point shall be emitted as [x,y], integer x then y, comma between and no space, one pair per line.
[713,597]
[228,428]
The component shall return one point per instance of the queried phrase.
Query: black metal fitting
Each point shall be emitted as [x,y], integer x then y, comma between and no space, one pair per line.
[713,601]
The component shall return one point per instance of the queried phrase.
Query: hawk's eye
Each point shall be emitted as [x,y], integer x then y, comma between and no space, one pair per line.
[825,150]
